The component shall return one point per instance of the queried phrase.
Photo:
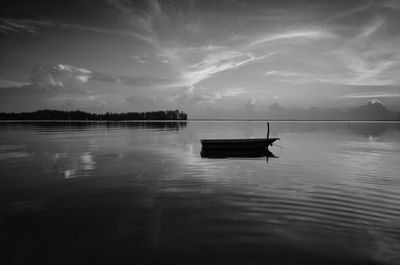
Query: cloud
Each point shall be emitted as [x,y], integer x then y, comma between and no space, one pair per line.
[290,35]
[233,92]
[188,96]
[11,83]
[379,94]
[276,108]
[250,105]
[50,88]
[372,28]
[302,78]
[197,64]
[392,4]
[191,51]
[369,73]
[127,33]
[351,70]
[214,63]
[72,77]
[61,75]
[207,97]
[371,61]
[134,81]
[375,101]
[350,10]
[139,59]
[35,26]
[182,97]
[14,25]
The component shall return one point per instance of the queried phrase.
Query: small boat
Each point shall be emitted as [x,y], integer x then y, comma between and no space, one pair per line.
[241,153]
[237,144]
[254,144]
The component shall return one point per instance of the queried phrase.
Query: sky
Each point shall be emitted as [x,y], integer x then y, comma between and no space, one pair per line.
[230,57]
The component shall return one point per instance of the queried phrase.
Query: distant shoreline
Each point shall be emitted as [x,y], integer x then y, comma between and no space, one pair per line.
[77,115]
[199,120]
[292,120]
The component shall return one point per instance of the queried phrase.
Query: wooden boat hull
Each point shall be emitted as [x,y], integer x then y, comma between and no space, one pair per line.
[241,153]
[237,144]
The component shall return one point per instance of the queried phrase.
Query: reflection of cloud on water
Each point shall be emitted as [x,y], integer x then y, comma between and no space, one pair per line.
[70,173]
[8,155]
[368,175]
[7,147]
[365,163]
[87,161]
[71,165]
[359,163]
[372,143]
[12,151]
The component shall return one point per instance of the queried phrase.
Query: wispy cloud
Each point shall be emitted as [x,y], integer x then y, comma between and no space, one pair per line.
[392,4]
[217,62]
[365,73]
[11,83]
[371,28]
[363,60]
[139,59]
[228,92]
[34,26]
[15,25]
[359,76]
[198,64]
[250,105]
[233,92]
[290,35]
[359,7]
[61,75]
[300,77]
[379,94]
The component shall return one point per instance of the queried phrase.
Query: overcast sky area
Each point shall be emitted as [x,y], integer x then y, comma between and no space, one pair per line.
[199,56]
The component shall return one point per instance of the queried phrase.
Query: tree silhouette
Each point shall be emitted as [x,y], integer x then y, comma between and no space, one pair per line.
[48,114]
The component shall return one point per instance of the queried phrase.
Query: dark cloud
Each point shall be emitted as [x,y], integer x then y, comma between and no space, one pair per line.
[58,10]
[103,16]
[146,14]
[91,10]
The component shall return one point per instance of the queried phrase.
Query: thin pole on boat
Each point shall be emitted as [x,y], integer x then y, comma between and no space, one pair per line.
[267,130]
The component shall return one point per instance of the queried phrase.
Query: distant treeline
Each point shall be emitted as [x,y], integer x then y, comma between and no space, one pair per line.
[80,115]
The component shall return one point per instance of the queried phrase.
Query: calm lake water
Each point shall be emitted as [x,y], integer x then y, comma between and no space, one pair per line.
[140,193]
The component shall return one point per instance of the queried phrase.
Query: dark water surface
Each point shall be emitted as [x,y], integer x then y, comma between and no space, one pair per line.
[140,193]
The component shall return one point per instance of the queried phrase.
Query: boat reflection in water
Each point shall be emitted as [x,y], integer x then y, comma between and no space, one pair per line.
[236,153]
